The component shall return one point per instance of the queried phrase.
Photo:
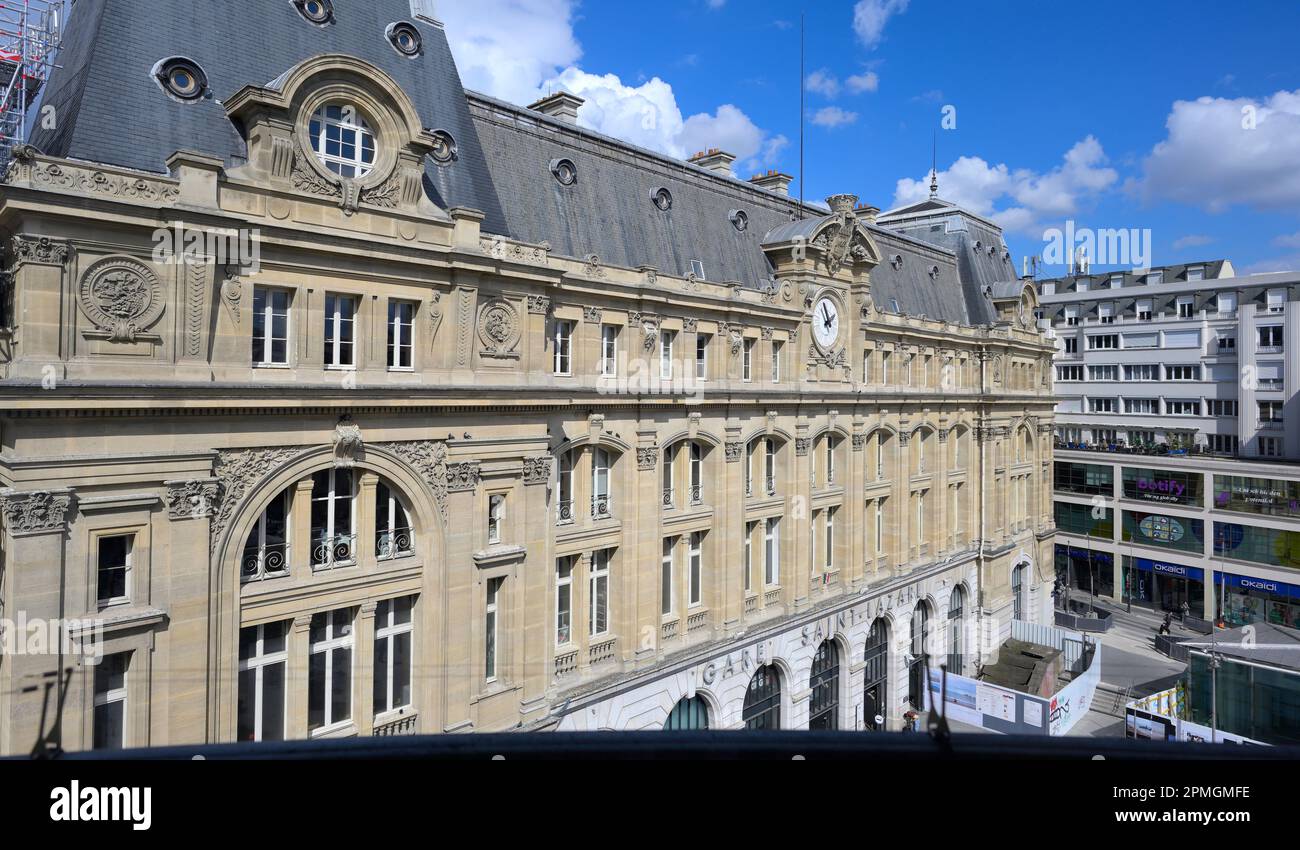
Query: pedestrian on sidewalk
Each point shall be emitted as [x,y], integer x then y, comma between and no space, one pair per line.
[1164,627]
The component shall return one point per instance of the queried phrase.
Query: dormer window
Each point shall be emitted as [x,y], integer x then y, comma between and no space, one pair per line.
[405,39]
[1155,278]
[697,269]
[319,12]
[342,140]
[181,78]
[1195,273]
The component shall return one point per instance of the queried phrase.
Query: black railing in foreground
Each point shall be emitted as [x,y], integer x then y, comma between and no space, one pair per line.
[674,746]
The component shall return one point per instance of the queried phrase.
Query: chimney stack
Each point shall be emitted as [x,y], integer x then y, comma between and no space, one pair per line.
[717,161]
[867,213]
[773,181]
[561,105]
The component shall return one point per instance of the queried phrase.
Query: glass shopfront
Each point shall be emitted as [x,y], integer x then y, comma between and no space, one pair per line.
[1080,569]
[1163,586]
[1271,546]
[1085,520]
[1265,496]
[1158,485]
[1247,600]
[1167,532]
[1084,479]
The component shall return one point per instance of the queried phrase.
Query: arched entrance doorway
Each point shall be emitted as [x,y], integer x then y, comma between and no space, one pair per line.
[824,705]
[874,704]
[762,709]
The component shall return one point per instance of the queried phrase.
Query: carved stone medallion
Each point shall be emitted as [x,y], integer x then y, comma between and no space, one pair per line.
[122,297]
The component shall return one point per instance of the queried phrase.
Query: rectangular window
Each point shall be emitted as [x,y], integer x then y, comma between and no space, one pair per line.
[491,628]
[600,499]
[702,356]
[1226,342]
[750,529]
[113,576]
[867,357]
[1226,303]
[1276,300]
[880,527]
[1144,310]
[885,358]
[329,672]
[263,665]
[1142,372]
[1186,306]
[401,340]
[1116,281]
[1222,407]
[747,363]
[1103,373]
[1270,447]
[666,339]
[1101,405]
[608,351]
[1106,314]
[563,365]
[920,517]
[1225,444]
[110,701]
[695,578]
[1195,273]
[771,552]
[1183,373]
[1270,336]
[1183,407]
[333,519]
[667,581]
[1071,316]
[564,600]
[769,466]
[1155,278]
[1270,411]
[598,595]
[1071,345]
[496,515]
[270,327]
[393,629]
[830,540]
[1103,343]
[777,349]
[1142,405]
[340,331]
[697,269]
[1069,373]
[697,474]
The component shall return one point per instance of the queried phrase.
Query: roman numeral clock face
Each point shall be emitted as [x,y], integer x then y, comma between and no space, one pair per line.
[826,323]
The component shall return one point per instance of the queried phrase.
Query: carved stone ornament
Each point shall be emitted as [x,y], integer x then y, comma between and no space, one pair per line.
[737,340]
[537,470]
[232,291]
[499,329]
[539,305]
[348,444]
[651,275]
[592,315]
[592,267]
[647,458]
[429,459]
[238,473]
[859,442]
[92,181]
[651,335]
[42,249]
[193,499]
[122,297]
[464,477]
[500,248]
[735,452]
[801,446]
[691,326]
[38,512]
[305,179]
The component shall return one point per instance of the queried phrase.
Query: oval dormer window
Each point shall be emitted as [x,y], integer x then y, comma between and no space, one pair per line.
[405,39]
[565,171]
[444,148]
[739,220]
[342,140]
[181,78]
[662,198]
[319,12]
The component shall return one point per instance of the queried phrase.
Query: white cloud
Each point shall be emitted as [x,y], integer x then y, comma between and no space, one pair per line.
[859,83]
[823,82]
[1212,158]
[870,17]
[1194,240]
[1020,200]
[506,48]
[521,50]
[1290,240]
[832,117]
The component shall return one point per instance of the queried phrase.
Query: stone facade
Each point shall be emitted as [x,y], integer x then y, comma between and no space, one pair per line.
[508,457]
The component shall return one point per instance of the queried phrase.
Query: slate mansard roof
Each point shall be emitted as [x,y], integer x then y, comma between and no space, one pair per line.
[112,111]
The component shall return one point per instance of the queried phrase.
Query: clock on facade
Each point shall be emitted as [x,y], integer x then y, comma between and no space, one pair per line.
[826,322]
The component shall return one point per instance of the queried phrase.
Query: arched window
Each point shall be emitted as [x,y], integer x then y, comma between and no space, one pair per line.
[600,498]
[689,714]
[696,494]
[343,140]
[916,683]
[266,552]
[875,706]
[393,535]
[1018,593]
[956,604]
[333,519]
[762,709]
[824,706]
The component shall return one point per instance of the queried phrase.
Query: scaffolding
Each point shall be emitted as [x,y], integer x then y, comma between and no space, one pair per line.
[30,33]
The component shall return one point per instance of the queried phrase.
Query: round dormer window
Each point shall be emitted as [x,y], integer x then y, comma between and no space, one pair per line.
[342,140]
[405,39]
[181,78]
[565,171]
[444,148]
[317,11]
[740,220]
[662,198]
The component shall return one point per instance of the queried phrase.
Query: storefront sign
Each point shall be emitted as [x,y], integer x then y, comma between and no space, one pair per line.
[1165,568]
[1153,485]
[1257,495]
[1260,585]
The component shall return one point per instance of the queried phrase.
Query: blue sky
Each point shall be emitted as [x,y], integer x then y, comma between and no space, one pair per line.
[1110,114]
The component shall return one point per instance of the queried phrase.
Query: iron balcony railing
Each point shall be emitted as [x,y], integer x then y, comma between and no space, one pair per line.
[265,562]
[564,515]
[696,495]
[668,497]
[328,553]
[600,507]
[395,543]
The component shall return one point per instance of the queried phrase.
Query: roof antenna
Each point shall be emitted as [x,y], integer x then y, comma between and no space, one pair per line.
[803,93]
[934,166]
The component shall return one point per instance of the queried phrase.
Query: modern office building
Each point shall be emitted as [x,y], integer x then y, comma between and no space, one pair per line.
[1176,433]
[338,400]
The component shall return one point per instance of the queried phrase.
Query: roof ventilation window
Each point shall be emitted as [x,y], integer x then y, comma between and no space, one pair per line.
[318,12]
[697,269]
[739,220]
[978,245]
[444,150]
[181,78]
[565,171]
[405,39]
[662,199]
[934,272]
[896,261]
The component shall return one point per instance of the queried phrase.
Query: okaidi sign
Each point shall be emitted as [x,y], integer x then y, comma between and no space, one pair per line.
[1153,485]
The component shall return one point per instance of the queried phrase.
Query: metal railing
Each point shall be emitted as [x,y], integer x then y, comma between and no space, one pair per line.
[328,553]
[564,513]
[696,495]
[600,507]
[261,563]
[668,497]
[396,543]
